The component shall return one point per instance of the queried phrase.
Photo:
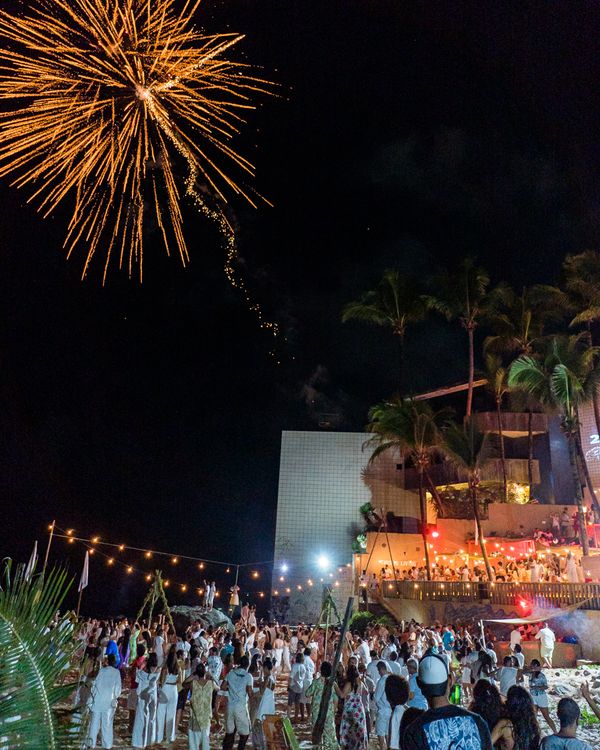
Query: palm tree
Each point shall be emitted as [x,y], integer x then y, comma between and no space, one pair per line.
[497,384]
[582,282]
[413,428]
[463,296]
[519,321]
[33,656]
[395,303]
[563,379]
[469,450]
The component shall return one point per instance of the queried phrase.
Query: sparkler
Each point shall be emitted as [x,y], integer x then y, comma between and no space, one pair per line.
[107,96]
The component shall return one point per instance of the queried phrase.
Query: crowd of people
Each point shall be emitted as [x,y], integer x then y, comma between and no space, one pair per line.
[543,567]
[407,688]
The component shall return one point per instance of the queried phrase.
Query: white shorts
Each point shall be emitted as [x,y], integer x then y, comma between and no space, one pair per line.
[540,700]
[238,719]
[382,723]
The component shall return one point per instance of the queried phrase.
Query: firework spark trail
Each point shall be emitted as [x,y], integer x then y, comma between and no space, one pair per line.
[102,92]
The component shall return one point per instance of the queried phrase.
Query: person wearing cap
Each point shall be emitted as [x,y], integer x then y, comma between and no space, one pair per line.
[443,725]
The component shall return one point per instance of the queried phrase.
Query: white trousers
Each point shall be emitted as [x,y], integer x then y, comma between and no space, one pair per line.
[165,715]
[144,725]
[102,722]
[238,719]
[199,740]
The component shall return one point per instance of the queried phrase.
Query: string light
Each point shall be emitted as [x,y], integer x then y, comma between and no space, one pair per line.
[148,554]
[166,582]
[91,551]
[71,540]
[148,577]
[70,532]
[121,547]
[201,566]
[95,540]
[174,560]
[129,569]
[184,587]
[110,561]
[255,574]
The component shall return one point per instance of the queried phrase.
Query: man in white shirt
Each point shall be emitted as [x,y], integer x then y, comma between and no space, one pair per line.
[363,652]
[372,670]
[384,710]
[515,637]
[105,691]
[547,640]
[239,689]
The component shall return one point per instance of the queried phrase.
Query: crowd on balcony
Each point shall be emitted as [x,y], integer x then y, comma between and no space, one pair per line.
[545,567]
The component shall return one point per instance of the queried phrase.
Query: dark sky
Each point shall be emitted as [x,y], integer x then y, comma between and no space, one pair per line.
[407,134]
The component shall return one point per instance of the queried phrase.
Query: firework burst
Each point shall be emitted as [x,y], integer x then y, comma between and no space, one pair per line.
[106,97]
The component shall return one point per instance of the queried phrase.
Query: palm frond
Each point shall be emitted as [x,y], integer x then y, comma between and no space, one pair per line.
[33,658]
[528,375]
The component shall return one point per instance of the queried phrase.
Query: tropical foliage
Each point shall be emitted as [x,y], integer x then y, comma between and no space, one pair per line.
[564,377]
[470,451]
[34,657]
[414,429]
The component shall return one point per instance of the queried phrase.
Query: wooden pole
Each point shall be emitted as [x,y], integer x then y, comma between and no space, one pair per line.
[317,733]
[79,603]
[48,547]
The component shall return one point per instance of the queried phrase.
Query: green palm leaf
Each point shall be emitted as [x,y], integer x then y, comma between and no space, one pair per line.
[33,659]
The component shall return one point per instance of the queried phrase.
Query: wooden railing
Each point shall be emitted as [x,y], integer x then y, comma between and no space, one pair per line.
[539,594]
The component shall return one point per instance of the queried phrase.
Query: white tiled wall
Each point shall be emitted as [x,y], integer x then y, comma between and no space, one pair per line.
[323,481]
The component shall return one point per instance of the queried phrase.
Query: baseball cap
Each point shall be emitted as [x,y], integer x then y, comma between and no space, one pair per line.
[432,670]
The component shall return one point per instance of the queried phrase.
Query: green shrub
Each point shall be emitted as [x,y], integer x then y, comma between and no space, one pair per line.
[360,620]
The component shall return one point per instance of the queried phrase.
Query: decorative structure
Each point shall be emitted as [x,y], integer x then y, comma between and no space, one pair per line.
[156,595]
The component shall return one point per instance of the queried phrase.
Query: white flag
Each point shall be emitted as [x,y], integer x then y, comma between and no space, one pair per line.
[32,563]
[83,581]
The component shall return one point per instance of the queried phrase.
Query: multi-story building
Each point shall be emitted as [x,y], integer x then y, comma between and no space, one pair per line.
[325,478]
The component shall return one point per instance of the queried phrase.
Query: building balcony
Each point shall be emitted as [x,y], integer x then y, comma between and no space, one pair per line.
[446,473]
[514,424]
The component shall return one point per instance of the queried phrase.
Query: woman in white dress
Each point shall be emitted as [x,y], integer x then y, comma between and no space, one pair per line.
[169,685]
[571,569]
[144,725]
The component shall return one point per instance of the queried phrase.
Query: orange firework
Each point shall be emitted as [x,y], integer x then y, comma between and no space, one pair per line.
[109,95]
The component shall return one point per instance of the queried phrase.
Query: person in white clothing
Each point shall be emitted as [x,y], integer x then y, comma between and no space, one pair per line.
[170,679]
[515,637]
[144,725]
[105,692]
[296,686]
[310,672]
[239,683]
[159,646]
[547,640]
[363,652]
[212,590]
[384,710]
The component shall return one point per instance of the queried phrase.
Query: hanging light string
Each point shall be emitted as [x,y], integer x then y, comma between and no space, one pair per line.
[92,544]
[97,541]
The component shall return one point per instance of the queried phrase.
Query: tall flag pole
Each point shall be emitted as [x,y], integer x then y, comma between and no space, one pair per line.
[83,581]
[52,525]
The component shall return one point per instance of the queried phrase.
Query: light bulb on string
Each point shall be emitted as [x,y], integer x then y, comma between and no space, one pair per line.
[129,569]
[148,554]
[174,560]
[121,547]
[110,561]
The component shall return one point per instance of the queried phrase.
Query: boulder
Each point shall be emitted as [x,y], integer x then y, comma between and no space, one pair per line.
[183,615]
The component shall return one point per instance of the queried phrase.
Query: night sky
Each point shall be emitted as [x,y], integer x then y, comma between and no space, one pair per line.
[406,134]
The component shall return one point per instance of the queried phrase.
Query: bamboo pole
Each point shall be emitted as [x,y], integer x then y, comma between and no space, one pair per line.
[317,733]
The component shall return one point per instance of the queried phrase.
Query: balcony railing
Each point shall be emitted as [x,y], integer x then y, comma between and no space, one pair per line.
[539,594]
[517,470]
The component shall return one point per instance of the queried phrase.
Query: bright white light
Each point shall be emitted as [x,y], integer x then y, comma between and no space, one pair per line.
[284,567]
[323,562]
